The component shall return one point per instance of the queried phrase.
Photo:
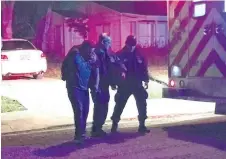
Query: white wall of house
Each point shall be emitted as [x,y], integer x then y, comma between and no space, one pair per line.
[147,29]
[71,38]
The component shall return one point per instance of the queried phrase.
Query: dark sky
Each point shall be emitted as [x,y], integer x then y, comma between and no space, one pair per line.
[137,7]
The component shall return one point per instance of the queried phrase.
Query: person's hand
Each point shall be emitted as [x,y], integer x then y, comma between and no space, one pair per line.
[114,87]
[146,85]
[96,87]
[93,58]
[123,75]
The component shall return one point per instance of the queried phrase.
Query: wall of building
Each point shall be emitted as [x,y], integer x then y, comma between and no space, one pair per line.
[108,23]
[148,29]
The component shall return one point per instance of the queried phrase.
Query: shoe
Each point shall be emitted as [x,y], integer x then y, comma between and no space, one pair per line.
[114,127]
[85,137]
[99,133]
[79,141]
[143,130]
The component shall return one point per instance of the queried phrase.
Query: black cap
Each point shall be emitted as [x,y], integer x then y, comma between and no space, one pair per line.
[87,43]
[131,40]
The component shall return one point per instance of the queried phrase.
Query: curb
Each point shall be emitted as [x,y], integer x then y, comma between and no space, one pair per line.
[154,120]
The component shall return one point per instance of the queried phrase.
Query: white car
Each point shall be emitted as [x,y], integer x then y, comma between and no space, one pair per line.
[20,57]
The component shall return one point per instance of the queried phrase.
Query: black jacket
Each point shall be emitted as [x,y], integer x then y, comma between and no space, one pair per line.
[134,64]
[108,67]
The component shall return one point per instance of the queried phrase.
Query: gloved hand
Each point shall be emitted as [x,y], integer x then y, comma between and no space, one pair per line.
[114,87]
[123,75]
[93,58]
[97,90]
[146,85]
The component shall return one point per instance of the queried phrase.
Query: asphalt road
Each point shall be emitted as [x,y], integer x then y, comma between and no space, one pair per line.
[196,141]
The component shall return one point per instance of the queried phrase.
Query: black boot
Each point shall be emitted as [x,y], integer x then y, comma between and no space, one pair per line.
[114,127]
[98,132]
[142,128]
[78,139]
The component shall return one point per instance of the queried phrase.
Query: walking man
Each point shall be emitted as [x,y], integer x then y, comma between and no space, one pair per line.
[132,84]
[102,96]
[76,70]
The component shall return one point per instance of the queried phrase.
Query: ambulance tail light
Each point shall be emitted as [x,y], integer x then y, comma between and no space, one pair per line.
[172,83]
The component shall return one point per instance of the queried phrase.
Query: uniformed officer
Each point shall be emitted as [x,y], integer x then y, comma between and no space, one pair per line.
[76,70]
[102,96]
[136,74]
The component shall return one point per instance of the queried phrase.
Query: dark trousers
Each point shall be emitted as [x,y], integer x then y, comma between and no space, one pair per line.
[100,100]
[123,94]
[80,103]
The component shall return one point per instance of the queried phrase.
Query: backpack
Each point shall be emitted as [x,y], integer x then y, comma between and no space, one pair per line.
[66,63]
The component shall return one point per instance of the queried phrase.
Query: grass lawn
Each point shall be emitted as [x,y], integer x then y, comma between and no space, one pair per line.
[155,89]
[10,105]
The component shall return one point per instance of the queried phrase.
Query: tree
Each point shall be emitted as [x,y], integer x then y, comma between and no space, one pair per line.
[79,25]
[7,17]
[27,16]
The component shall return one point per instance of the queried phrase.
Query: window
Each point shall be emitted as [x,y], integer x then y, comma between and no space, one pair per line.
[161,31]
[107,29]
[146,34]
[133,28]
[17,45]
[199,9]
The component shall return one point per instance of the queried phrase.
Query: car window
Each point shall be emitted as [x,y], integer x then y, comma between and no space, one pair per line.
[17,45]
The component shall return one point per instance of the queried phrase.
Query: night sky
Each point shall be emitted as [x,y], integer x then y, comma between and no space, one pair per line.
[137,7]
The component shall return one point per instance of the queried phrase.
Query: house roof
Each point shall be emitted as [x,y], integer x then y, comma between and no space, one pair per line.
[137,7]
[70,13]
[73,8]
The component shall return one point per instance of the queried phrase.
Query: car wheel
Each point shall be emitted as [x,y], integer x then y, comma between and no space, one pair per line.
[38,76]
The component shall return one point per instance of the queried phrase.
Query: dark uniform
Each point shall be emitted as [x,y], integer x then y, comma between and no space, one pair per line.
[76,71]
[102,96]
[136,73]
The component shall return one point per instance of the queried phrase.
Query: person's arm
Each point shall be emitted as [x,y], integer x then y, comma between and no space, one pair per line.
[95,70]
[145,73]
[120,62]
[64,70]
[97,78]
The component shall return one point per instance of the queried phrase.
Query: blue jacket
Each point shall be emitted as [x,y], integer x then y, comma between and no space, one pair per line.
[76,70]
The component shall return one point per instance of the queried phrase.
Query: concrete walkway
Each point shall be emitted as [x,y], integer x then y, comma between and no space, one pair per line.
[163,110]
[48,105]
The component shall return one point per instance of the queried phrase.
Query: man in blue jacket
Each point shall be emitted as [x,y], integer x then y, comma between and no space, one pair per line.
[76,71]
[136,73]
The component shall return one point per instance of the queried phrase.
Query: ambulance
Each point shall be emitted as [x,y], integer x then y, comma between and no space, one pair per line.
[197,49]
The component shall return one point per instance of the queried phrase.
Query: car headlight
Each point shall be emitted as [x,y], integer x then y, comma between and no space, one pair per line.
[175,71]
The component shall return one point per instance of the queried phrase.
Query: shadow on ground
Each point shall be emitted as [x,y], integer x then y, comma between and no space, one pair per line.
[211,134]
[220,108]
[66,148]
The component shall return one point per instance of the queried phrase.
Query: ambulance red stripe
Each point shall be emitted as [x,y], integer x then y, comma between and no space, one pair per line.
[213,58]
[222,40]
[187,43]
[174,40]
[177,10]
[196,54]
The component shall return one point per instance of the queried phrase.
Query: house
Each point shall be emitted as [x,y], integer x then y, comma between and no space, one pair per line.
[58,39]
